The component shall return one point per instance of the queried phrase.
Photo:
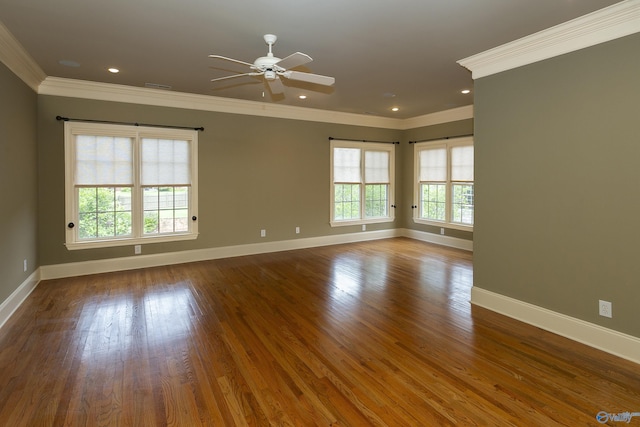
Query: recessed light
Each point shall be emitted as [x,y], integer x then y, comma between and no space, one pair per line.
[302,96]
[465,91]
[114,70]
[395,109]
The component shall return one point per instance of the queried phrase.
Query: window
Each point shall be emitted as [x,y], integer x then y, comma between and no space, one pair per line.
[129,185]
[361,182]
[444,176]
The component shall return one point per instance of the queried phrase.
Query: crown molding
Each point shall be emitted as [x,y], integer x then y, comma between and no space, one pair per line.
[616,21]
[136,95]
[120,93]
[16,58]
[446,116]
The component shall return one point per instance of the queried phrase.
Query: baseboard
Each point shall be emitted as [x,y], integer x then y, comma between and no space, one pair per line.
[608,340]
[144,261]
[11,304]
[438,239]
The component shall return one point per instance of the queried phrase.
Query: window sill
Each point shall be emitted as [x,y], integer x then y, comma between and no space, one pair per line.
[443,224]
[360,222]
[107,243]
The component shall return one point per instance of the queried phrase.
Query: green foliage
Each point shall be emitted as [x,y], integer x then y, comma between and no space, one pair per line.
[347,201]
[434,202]
[434,199]
[376,201]
[151,222]
[462,207]
[104,212]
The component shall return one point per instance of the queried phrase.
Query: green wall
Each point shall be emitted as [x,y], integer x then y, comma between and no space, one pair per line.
[254,173]
[18,182]
[557,146]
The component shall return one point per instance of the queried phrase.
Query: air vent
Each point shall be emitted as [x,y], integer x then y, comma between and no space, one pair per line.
[157,86]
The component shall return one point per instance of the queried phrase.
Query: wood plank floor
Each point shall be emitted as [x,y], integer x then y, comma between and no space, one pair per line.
[375,333]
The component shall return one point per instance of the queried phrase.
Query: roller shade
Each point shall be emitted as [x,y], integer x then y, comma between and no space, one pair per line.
[433,165]
[103,160]
[165,162]
[376,170]
[462,163]
[346,165]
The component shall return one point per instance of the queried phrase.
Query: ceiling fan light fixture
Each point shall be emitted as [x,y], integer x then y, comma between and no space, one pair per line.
[274,69]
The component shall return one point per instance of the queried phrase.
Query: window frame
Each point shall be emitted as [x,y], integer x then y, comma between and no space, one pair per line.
[448,144]
[363,147]
[137,133]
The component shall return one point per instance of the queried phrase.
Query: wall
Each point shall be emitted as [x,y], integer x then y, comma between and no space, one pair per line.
[557,152]
[18,182]
[254,173]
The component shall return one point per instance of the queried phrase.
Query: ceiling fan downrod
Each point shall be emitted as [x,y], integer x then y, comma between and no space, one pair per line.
[270,39]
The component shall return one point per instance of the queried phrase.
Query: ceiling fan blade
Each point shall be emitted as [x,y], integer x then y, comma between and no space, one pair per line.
[235,75]
[275,86]
[231,59]
[308,77]
[294,60]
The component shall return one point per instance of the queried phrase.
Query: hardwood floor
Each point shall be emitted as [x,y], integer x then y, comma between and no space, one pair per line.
[376,333]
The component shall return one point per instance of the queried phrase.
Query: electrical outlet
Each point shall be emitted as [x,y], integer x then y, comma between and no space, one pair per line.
[137,249]
[441,230]
[263,233]
[364,227]
[297,230]
[604,308]
[24,265]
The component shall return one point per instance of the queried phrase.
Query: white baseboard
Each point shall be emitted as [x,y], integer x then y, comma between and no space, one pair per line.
[144,261]
[608,340]
[452,242]
[58,271]
[11,304]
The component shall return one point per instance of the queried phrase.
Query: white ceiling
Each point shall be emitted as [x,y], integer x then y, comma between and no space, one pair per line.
[382,53]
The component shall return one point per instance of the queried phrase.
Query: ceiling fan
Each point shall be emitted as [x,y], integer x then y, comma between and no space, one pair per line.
[273,68]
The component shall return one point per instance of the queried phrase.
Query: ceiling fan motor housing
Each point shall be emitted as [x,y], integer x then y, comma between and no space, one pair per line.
[272,67]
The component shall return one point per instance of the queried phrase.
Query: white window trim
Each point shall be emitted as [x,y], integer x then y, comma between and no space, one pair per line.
[364,146]
[71,209]
[443,143]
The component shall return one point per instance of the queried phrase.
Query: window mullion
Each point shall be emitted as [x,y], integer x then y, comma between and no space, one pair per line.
[417,193]
[137,193]
[448,189]
[362,185]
